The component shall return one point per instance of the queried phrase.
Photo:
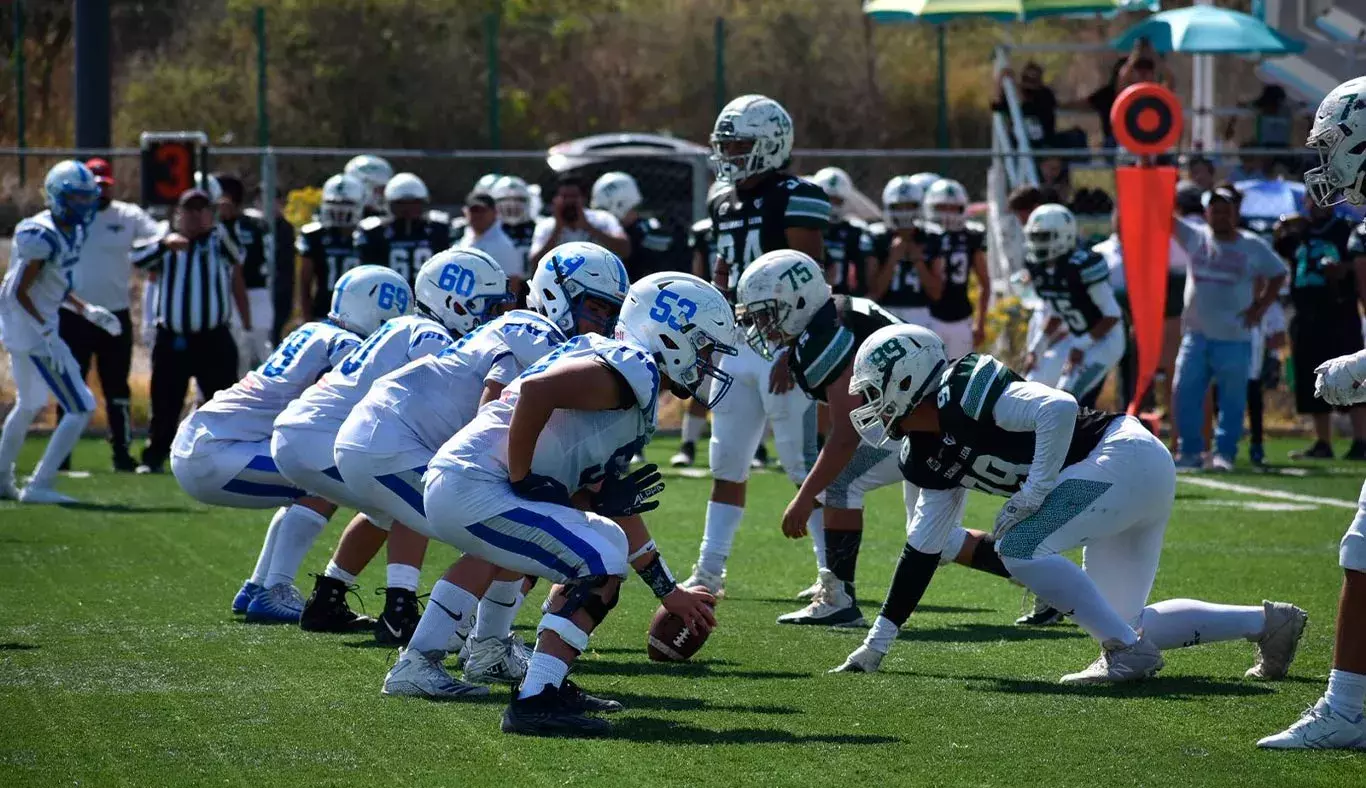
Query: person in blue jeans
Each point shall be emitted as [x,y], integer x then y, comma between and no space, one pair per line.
[1223,301]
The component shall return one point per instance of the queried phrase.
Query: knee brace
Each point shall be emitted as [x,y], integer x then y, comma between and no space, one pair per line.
[595,595]
[985,558]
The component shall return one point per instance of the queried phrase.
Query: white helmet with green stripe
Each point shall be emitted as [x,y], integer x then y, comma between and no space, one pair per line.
[778,295]
[894,370]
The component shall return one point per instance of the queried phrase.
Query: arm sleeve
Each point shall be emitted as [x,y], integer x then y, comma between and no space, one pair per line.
[1103,295]
[936,514]
[147,255]
[1268,263]
[504,370]
[144,226]
[428,343]
[807,207]
[1052,416]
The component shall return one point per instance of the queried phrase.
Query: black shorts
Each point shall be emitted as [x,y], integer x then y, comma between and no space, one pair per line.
[1311,344]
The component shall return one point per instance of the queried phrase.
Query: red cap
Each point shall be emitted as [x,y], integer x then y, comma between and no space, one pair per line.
[102,171]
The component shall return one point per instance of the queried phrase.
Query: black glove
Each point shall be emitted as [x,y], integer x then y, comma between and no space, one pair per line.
[541,488]
[623,496]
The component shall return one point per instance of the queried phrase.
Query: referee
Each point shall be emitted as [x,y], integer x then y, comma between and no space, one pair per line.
[199,272]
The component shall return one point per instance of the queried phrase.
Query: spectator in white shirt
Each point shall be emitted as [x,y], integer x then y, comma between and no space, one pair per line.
[570,221]
[484,232]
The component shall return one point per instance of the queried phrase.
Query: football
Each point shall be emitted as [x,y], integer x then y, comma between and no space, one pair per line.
[670,641]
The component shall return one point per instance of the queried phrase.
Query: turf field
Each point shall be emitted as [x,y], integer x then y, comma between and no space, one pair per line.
[120,663]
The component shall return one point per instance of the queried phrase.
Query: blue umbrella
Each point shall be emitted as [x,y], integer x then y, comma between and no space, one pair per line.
[1208,30]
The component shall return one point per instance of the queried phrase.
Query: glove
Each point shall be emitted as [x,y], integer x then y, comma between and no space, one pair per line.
[106,320]
[862,660]
[51,347]
[1015,510]
[541,488]
[1335,384]
[623,496]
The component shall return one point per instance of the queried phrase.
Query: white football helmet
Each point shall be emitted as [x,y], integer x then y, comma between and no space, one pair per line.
[210,186]
[760,121]
[485,183]
[1050,233]
[1339,137]
[925,180]
[571,273]
[461,289]
[616,193]
[894,370]
[71,193]
[778,295]
[684,323]
[901,199]
[836,183]
[373,173]
[946,204]
[343,201]
[512,198]
[368,295]
[406,186]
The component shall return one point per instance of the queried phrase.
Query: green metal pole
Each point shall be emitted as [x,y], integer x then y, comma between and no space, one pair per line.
[491,53]
[719,78]
[19,88]
[941,135]
[262,110]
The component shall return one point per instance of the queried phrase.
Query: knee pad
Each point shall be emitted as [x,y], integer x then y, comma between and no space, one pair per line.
[985,558]
[568,631]
[595,595]
[1352,550]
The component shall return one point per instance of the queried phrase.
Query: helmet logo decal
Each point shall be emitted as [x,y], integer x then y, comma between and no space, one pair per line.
[665,304]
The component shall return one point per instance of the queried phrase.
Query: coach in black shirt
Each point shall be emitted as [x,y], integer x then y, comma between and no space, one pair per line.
[199,271]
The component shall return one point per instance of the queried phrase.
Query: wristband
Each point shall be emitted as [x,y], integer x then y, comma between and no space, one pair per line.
[658,577]
[645,548]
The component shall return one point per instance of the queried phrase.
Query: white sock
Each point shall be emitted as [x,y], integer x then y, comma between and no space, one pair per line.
[815,524]
[337,573]
[447,614]
[59,446]
[1346,692]
[723,520]
[497,609]
[692,427]
[402,576]
[258,575]
[17,424]
[1067,588]
[543,670]
[1178,623]
[297,532]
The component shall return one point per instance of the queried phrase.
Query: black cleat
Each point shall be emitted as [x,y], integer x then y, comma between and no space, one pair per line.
[686,456]
[1042,616]
[327,611]
[576,699]
[124,463]
[548,714]
[398,621]
[1357,452]
[760,457]
[1319,451]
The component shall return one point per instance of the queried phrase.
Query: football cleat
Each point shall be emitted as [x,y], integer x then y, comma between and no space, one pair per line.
[686,456]
[760,458]
[8,490]
[862,660]
[701,578]
[548,713]
[1119,664]
[1042,615]
[1319,450]
[810,591]
[396,624]
[327,610]
[34,493]
[575,698]
[832,606]
[1357,451]
[279,604]
[124,463]
[245,594]
[494,661]
[422,674]
[1281,638]
[1320,728]
[1220,464]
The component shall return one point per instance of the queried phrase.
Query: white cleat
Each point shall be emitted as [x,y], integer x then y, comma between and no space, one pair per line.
[8,490]
[832,606]
[422,674]
[494,661]
[35,493]
[810,591]
[1220,464]
[863,660]
[1276,648]
[701,578]
[1117,665]
[1321,728]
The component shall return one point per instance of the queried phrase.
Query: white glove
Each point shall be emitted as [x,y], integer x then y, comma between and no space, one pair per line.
[1015,510]
[863,660]
[51,347]
[1335,383]
[106,320]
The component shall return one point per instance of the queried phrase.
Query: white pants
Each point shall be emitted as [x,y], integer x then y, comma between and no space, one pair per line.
[915,315]
[36,377]
[739,420]
[483,517]
[389,485]
[305,458]
[957,336]
[239,474]
[1082,378]
[1115,504]
[254,347]
[1352,550]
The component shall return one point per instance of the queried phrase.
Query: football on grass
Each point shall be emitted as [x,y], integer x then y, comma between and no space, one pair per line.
[670,641]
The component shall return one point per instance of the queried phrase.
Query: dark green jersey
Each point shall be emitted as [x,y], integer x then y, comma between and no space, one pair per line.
[957,248]
[1065,286]
[827,347]
[700,240]
[904,289]
[402,246]
[843,259]
[332,252]
[750,222]
[971,450]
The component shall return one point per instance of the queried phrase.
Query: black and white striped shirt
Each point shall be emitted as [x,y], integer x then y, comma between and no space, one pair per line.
[194,286]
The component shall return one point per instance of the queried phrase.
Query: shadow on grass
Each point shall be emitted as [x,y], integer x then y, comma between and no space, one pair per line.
[124,508]
[659,730]
[634,702]
[645,667]
[18,646]
[796,602]
[989,633]
[1173,688]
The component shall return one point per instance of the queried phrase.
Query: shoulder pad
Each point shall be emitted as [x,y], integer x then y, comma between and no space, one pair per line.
[878,228]
[982,379]
[803,187]
[371,223]
[857,223]
[702,226]
[724,194]
[254,213]
[974,226]
[311,228]
[440,217]
[930,228]
[33,241]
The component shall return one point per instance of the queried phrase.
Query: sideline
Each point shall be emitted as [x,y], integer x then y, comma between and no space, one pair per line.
[1215,484]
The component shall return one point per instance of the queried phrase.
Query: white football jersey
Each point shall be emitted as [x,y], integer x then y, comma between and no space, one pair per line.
[496,352]
[577,448]
[247,410]
[326,404]
[37,241]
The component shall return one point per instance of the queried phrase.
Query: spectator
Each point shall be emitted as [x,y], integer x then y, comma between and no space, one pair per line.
[483,231]
[571,221]
[1200,171]
[1055,176]
[1038,105]
[250,234]
[103,277]
[1142,65]
[1273,119]
[1221,307]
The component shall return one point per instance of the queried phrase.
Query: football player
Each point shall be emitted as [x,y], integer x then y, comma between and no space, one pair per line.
[1338,719]
[223,454]
[504,488]
[957,251]
[326,247]
[513,201]
[1081,340]
[374,174]
[760,208]
[408,237]
[1069,476]
[651,242]
[456,291]
[843,236]
[893,252]
[390,438]
[42,267]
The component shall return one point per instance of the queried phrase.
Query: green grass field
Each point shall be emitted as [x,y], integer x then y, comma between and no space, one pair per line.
[120,663]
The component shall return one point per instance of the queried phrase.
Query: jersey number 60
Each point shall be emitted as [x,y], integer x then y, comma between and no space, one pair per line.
[456,279]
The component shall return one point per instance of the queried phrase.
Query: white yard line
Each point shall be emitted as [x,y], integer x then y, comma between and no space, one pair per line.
[1214,484]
